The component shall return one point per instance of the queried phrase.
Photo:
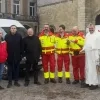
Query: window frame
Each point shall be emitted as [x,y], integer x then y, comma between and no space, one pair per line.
[17,7]
[33,8]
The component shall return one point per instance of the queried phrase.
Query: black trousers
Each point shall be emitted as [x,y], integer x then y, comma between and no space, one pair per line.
[34,66]
[13,71]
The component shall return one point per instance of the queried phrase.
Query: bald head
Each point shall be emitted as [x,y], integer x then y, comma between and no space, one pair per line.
[75,30]
[30,32]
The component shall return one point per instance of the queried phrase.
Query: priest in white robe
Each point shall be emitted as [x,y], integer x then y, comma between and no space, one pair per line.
[91,49]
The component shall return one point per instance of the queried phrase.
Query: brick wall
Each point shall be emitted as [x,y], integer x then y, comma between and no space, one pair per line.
[25,7]
[9,4]
[81,14]
[59,13]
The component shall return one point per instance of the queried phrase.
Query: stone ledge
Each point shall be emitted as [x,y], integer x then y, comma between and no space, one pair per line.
[55,3]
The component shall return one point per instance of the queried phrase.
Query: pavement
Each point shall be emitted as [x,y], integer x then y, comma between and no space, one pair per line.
[58,91]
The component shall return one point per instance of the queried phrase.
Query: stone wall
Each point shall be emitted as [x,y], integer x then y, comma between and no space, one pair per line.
[92,10]
[81,14]
[65,12]
[88,12]
[95,5]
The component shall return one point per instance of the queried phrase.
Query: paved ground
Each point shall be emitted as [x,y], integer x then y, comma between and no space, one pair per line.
[48,92]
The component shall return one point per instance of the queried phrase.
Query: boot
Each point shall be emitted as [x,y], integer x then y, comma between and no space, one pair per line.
[83,85]
[75,82]
[9,85]
[26,83]
[16,84]
[60,80]
[93,87]
[38,83]
[46,81]
[68,81]
[1,88]
[53,80]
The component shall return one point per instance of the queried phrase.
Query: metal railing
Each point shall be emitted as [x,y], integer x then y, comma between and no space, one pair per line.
[19,17]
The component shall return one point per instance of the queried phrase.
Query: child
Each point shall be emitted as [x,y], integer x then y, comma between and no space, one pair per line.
[3,55]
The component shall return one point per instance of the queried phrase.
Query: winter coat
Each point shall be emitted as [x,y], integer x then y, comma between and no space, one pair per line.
[32,48]
[14,47]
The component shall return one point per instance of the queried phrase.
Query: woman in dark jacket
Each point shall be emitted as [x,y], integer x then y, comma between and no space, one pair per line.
[14,45]
[32,50]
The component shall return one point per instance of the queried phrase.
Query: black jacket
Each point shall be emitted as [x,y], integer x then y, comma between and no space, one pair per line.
[14,47]
[32,48]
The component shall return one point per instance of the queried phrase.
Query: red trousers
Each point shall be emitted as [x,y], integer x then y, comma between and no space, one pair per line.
[63,58]
[78,63]
[48,59]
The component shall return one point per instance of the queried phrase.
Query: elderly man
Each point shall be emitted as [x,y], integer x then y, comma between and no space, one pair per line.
[32,51]
[78,60]
[76,30]
[91,49]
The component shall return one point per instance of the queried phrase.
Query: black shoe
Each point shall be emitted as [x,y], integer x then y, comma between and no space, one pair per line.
[53,80]
[85,85]
[17,84]
[75,82]
[26,84]
[60,80]
[68,81]
[1,88]
[9,85]
[38,83]
[93,87]
[46,81]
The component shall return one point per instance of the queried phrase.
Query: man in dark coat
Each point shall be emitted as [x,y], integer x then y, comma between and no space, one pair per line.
[32,50]
[14,44]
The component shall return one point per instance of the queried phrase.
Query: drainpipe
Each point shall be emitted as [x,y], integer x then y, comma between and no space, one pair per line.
[37,15]
[6,1]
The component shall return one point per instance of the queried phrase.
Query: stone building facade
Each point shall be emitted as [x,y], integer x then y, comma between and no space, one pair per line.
[69,12]
[23,10]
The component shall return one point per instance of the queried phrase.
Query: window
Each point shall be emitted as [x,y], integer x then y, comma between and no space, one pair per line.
[16,7]
[32,8]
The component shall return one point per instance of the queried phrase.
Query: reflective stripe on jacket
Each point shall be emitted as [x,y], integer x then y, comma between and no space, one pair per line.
[61,44]
[47,43]
[76,43]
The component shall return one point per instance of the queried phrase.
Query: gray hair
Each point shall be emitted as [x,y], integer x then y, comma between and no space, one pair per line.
[90,24]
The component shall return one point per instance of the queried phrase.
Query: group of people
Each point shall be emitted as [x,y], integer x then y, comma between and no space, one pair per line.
[84,52]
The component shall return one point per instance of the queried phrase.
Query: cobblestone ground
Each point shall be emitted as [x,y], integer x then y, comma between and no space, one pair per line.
[48,92]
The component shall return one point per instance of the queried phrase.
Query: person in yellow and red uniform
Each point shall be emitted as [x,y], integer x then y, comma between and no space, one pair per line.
[48,56]
[78,32]
[78,60]
[62,50]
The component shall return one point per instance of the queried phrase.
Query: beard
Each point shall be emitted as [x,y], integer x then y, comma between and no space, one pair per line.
[46,30]
[91,32]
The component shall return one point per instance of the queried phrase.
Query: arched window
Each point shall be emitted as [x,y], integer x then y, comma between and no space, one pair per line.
[97,20]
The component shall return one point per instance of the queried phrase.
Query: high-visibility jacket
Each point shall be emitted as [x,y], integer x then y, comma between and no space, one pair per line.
[77,45]
[79,34]
[61,44]
[47,43]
